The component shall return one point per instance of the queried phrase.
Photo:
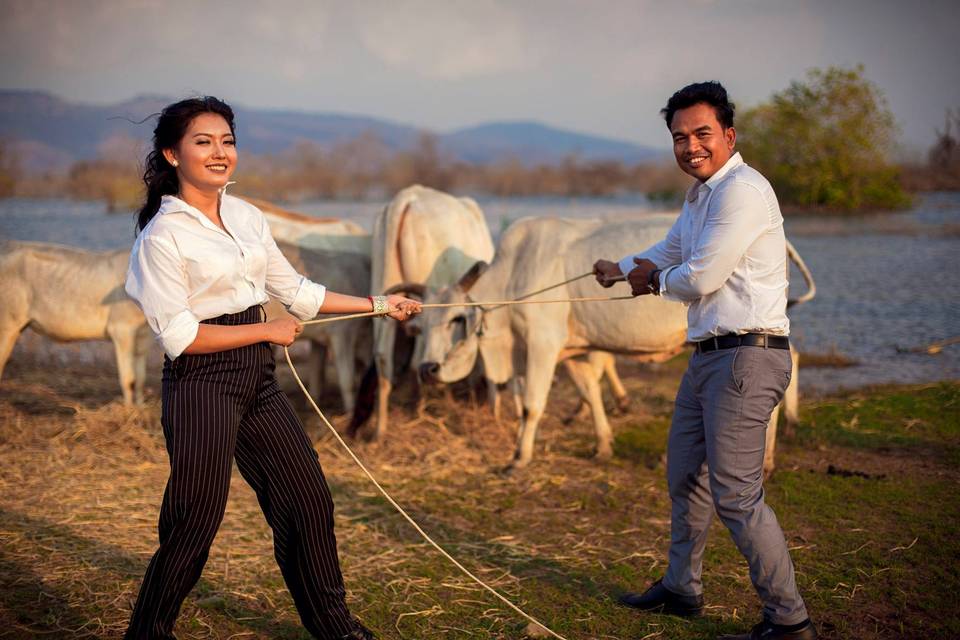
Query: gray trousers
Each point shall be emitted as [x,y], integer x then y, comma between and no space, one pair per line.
[715,461]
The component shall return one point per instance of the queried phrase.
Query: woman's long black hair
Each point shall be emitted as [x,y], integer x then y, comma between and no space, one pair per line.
[159,176]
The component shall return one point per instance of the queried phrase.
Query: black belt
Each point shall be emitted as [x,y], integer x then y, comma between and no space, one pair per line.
[731,340]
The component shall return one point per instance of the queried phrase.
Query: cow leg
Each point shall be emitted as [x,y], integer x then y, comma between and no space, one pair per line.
[9,332]
[516,389]
[143,338]
[791,397]
[317,366]
[124,345]
[344,348]
[384,337]
[420,392]
[790,405]
[770,444]
[541,363]
[493,399]
[609,364]
[583,403]
[589,374]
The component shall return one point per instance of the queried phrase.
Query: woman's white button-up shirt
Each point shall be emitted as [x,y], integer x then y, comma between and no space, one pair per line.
[184,269]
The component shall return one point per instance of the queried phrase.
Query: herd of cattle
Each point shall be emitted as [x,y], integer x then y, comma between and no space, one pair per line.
[428,244]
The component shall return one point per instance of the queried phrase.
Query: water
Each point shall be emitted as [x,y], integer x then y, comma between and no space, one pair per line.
[882,281]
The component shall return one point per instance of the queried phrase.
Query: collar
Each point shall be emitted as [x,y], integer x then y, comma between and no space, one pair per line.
[734,161]
[172,204]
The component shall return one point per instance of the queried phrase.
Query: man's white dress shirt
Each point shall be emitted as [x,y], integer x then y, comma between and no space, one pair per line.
[726,256]
[184,269]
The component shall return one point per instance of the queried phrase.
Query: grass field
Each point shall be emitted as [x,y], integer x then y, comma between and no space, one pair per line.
[866,491]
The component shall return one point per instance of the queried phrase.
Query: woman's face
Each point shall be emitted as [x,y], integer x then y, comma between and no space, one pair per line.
[206,156]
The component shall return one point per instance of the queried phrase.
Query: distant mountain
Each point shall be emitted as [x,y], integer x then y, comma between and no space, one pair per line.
[535,142]
[47,132]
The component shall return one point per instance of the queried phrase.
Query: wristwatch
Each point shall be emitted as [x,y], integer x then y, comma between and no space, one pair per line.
[654,284]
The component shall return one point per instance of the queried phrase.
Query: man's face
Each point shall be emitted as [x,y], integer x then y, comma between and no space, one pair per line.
[700,143]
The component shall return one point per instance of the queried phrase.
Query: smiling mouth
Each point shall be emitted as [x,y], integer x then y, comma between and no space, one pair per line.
[218,168]
[697,161]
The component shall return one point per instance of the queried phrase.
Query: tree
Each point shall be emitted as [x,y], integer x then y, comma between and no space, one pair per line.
[943,158]
[826,142]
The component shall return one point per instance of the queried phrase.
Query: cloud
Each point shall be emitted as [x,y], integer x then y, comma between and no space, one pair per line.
[448,40]
[604,67]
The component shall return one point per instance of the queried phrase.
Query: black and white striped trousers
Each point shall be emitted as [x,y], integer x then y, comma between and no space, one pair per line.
[221,406]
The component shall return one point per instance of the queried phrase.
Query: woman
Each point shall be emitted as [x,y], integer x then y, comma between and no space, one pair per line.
[201,266]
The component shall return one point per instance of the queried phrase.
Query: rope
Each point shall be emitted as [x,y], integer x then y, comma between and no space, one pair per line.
[400,510]
[492,304]
[406,516]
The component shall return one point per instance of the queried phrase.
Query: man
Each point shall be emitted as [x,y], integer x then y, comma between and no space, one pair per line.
[725,257]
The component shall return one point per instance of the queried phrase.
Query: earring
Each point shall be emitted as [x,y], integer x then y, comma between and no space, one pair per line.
[175,163]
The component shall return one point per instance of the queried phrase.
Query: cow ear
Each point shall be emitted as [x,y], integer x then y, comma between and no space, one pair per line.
[470,278]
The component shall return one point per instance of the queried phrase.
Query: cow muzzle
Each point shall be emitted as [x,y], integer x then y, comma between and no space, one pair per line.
[429,372]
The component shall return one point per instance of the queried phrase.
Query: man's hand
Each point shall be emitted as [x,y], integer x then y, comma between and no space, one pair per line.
[607,272]
[639,277]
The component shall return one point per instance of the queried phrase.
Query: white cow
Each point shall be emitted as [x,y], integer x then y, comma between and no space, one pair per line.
[791,397]
[313,232]
[336,253]
[69,294]
[425,237]
[349,340]
[529,340]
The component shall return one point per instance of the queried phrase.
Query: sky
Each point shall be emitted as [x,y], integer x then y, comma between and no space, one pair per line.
[603,67]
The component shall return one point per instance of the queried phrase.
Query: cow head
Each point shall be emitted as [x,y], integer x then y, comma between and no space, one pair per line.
[451,334]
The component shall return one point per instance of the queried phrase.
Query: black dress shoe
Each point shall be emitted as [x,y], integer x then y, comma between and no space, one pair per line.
[359,632]
[766,630]
[661,600]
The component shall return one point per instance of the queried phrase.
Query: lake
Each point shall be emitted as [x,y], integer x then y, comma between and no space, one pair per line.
[883,281]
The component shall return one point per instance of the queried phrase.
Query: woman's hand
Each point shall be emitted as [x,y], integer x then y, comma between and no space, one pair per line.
[283,331]
[402,308]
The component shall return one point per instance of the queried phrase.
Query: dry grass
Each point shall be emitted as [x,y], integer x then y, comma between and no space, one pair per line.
[832,357]
[81,479]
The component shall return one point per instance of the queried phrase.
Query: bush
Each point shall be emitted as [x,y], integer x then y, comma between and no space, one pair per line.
[826,143]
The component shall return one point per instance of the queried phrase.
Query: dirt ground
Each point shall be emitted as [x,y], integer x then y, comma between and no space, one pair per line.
[871,520]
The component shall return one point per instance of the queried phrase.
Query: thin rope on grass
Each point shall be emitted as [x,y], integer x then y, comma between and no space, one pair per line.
[403,513]
[400,510]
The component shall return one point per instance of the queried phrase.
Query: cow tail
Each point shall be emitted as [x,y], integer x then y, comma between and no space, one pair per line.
[366,398]
[794,256]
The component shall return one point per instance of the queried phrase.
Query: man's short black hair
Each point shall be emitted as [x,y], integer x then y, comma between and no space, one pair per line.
[711,93]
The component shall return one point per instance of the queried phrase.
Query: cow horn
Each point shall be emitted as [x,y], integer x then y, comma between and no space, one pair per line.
[411,288]
[470,278]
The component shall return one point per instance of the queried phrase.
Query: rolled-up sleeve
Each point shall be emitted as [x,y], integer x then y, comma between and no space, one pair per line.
[301,296]
[156,281]
[663,254]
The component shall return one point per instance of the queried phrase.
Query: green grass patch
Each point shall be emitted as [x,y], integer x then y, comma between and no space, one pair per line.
[643,443]
[914,418]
